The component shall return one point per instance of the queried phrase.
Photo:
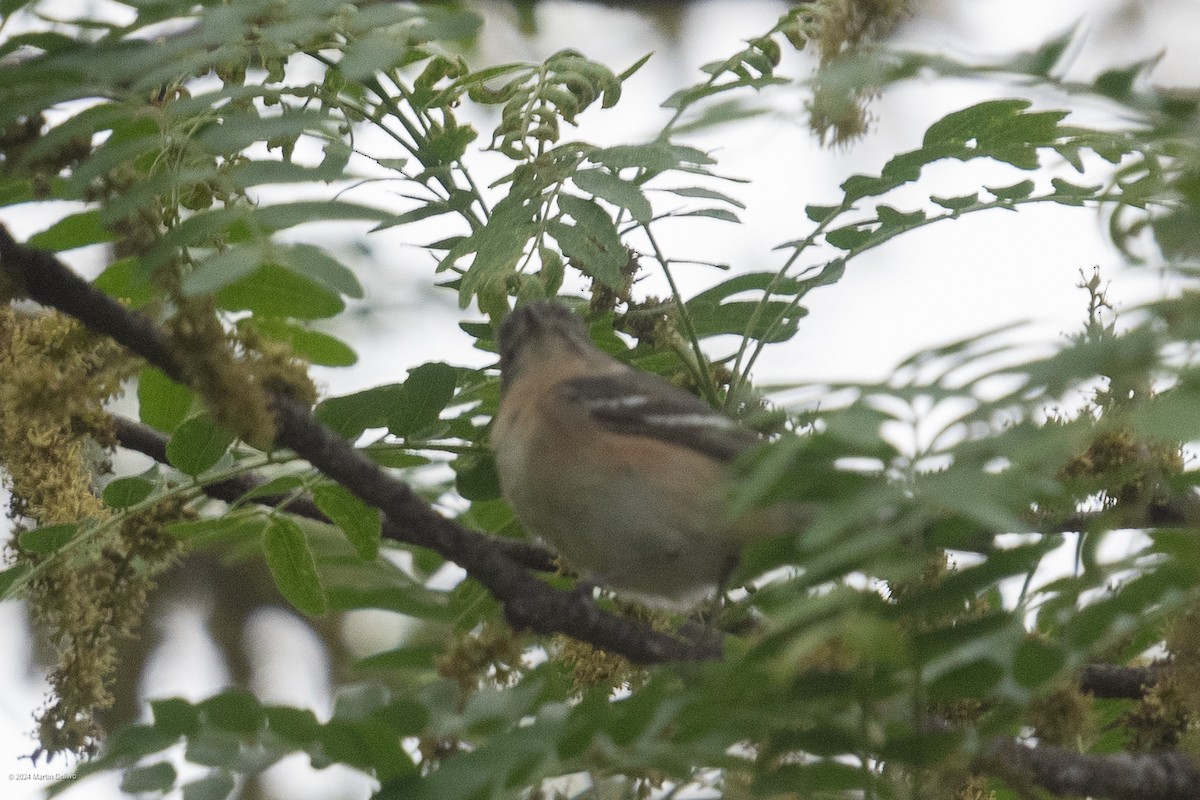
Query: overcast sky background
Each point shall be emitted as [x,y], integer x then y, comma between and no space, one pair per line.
[926,288]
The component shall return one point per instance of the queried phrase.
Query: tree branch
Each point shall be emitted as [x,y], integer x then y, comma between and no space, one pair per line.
[146,440]
[528,602]
[1113,682]
[1113,776]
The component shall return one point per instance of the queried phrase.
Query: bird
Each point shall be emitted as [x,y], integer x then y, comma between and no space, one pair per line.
[624,474]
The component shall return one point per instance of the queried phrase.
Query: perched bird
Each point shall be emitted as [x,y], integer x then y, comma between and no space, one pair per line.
[620,471]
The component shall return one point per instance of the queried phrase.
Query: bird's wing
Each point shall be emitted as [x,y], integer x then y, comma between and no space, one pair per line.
[641,404]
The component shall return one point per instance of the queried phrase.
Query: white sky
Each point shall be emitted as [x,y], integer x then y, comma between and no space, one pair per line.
[921,290]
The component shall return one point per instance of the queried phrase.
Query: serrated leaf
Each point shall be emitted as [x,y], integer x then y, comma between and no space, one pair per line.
[1074,190]
[957,203]
[819,214]
[292,566]
[1017,191]
[849,236]
[593,243]
[618,191]
[498,246]
[894,219]
[856,187]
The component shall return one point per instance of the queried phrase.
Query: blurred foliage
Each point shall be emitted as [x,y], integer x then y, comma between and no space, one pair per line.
[909,601]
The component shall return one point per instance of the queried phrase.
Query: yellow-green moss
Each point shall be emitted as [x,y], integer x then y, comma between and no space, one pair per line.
[493,653]
[85,599]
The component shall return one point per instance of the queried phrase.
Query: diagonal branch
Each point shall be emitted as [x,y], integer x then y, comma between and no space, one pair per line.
[1112,776]
[528,602]
[147,441]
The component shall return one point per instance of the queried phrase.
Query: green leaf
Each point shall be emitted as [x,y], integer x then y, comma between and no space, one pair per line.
[819,214]
[296,725]
[593,243]
[360,522]
[957,203]
[47,539]
[618,191]
[217,785]
[274,291]
[126,492]
[1037,661]
[352,414]
[175,716]
[890,218]
[238,528]
[212,747]
[652,156]
[634,67]
[197,445]
[287,215]
[395,457]
[769,320]
[411,657]
[857,187]
[314,346]
[125,280]
[428,389]
[476,477]
[314,263]
[849,237]
[158,777]
[707,194]
[132,742]
[162,403]
[818,777]
[244,127]
[279,485]
[221,269]
[1069,189]
[723,214]
[77,230]
[988,122]
[1017,191]
[498,246]
[12,577]
[292,566]
[234,710]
